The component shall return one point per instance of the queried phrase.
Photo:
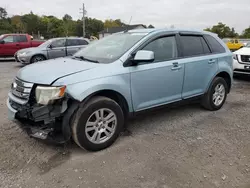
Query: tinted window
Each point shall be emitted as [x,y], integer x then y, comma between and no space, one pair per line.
[8,39]
[164,48]
[72,42]
[192,45]
[22,38]
[206,49]
[215,46]
[58,43]
[83,42]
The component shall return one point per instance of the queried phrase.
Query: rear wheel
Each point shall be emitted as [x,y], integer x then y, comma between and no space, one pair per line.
[97,124]
[37,58]
[216,96]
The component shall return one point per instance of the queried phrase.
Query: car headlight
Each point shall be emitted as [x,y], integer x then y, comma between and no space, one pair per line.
[47,95]
[235,57]
[24,53]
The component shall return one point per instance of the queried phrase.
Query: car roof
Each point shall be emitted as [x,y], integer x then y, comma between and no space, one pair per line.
[69,38]
[170,30]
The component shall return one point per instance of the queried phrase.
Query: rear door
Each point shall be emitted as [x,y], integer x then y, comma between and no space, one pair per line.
[57,49]
[23,41]
[200,65]
[72,46]
[10,46]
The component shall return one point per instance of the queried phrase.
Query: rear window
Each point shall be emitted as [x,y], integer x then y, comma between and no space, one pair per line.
[72,42]
[83,42]
[215,46]
[192,45]
[21,38]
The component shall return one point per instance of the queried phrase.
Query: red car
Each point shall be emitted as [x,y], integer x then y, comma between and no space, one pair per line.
[11,43]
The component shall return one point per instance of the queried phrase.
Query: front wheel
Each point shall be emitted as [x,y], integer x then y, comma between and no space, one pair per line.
[216,95]
[97,124]
[37,58]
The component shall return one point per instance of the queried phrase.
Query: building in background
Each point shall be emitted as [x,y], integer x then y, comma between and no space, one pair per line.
[112,30]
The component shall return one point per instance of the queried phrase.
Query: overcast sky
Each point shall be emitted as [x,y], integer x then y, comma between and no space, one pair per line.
[160,13]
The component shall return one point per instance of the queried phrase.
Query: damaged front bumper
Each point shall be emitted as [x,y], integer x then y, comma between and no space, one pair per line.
[46,122]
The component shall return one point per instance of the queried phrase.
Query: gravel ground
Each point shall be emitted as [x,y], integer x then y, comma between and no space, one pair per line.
[170,148]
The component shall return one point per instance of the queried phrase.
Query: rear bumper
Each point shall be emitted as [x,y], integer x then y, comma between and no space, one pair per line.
[50,123]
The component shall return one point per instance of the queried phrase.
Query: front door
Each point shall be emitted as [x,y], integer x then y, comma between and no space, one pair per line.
[10,46]
[159,82]
[57,49]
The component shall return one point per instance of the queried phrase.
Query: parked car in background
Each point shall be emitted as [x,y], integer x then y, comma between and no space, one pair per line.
[89,96]
[53,48]
[241,63]
[234,44]
[11,43]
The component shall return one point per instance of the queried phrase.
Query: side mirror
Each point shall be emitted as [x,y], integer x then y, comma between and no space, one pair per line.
[144,56]
[50,46]
[2,41]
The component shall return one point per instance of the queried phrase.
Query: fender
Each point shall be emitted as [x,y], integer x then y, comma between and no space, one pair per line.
[119,84]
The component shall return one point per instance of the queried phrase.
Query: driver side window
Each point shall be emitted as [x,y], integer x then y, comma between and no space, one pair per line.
[58,43]
[8,39]
[164,48]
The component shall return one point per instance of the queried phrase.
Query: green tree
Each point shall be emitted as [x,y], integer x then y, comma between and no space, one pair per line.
[3,13]
[17,24]
[222,30]
[67,17]
[113,23]
[246,33]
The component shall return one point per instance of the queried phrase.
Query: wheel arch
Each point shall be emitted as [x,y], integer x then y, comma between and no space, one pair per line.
[112,94]
[39,54]
[226,76]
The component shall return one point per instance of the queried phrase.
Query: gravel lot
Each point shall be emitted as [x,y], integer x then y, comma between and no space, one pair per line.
[170,148]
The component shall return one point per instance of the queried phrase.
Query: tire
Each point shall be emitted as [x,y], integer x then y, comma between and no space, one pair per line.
[86,116]
[207,100]
[37,58]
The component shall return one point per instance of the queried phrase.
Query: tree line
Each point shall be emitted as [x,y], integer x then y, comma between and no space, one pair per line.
[51,26]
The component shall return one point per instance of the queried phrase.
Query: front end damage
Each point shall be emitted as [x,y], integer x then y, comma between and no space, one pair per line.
[47,122]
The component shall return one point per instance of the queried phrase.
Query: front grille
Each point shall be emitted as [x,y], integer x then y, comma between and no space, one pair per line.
[21,89]
[245,58]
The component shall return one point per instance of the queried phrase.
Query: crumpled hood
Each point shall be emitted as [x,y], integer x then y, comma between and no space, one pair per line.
[243,51]
[47,72]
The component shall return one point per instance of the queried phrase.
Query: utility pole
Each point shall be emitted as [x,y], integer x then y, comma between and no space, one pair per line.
[83,19]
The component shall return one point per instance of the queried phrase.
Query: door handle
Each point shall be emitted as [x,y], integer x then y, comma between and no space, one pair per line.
[176,66]
[211,61]
[17,44]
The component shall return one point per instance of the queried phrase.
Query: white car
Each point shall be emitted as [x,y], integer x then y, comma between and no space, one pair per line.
[241,64]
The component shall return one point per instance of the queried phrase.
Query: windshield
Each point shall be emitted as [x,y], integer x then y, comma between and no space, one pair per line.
[248,45]
[110,48]
[1,36]
[45,44]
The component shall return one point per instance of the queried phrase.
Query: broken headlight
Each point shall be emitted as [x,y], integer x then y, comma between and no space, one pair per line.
[46,95]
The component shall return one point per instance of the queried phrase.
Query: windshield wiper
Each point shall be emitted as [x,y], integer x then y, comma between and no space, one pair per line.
[86,59]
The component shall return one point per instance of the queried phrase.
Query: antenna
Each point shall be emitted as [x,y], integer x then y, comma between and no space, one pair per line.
[130,20]
[128,24]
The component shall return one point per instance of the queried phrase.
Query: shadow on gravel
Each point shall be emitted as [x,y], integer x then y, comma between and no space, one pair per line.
[242,78]
[54,161]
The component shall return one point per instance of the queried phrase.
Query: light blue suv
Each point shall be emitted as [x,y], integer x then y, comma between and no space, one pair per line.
[89,97]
